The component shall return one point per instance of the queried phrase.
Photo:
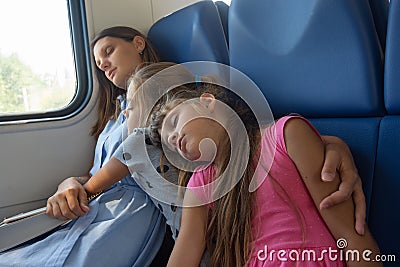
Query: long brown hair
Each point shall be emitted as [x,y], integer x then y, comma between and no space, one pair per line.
[229,229]
[109,106]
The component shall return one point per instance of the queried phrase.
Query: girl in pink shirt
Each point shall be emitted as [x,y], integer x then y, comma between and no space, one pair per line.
[257,207]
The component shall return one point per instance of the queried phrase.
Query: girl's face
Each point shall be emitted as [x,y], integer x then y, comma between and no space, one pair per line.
[131,118]
[118,58]
[187,125]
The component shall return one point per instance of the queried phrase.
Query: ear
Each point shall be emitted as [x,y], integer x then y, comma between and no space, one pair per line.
[208,100]
[139,42]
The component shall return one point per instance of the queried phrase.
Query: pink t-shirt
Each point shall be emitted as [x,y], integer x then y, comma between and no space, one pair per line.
[287,227]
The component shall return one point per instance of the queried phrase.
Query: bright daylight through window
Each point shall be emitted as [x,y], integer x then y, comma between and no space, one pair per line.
[37,72]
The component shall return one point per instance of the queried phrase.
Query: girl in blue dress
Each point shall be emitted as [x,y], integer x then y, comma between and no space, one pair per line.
[121,227]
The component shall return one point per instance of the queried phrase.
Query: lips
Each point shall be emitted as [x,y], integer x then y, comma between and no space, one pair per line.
[111,74]
[181,143]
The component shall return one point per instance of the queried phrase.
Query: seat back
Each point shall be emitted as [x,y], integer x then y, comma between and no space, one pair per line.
[223,11]
[194,33]
[321,59]
[392,60]
[316,58]
[379,9]
[384,215]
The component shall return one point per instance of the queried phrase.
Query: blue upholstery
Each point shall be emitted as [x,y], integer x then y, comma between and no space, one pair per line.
[194,33]
[384,213]
[322,59]
[223,10]
[379,9]
[361,134]
[384,216]
[392,60]
[298,52]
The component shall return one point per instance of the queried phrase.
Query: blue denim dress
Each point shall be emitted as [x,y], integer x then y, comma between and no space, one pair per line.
[123,227]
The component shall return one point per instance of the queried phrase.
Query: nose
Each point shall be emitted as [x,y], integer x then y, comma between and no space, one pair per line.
[103,64]
[173,139]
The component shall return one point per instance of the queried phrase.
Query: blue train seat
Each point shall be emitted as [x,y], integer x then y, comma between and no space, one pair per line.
[321,59]
[384,215]
[223,10]
[392,60]
[379,9]
[194,33]
[298,52]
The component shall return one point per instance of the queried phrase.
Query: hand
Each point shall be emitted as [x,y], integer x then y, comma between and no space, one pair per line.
[339,160]
[69,202]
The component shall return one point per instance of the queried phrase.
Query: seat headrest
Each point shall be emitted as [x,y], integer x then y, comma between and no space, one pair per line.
[194,33]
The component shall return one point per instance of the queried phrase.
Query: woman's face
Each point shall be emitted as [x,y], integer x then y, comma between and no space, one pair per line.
[118,58]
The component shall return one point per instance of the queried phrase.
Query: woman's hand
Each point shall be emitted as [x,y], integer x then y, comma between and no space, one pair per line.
[339,161]
[70,200]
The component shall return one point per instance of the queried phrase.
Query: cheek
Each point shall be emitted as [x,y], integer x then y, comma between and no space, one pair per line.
[132,62]
[192,151]
[129,126]
[132,121]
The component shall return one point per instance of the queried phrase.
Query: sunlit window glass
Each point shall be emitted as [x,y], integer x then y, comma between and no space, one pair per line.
[228,2]
[37,72]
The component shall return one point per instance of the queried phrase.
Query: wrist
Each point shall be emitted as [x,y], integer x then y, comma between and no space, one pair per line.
[81,179]
[91,192]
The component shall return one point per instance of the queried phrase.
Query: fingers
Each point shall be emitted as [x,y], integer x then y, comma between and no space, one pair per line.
[360,208]
[83,201]
[68,204]
[49,208]
[338,157]
[53,207]
[344,192]
[331,164]
[72,208]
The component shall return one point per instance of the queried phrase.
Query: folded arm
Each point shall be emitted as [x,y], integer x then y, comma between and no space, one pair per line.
[307,151]
[339,164]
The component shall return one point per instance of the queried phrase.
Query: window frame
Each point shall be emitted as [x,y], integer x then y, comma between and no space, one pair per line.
[82,63]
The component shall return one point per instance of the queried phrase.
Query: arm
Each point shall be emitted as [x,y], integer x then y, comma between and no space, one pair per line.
[113,171]
[70,200]
[191,242]
[307,151]
[338,159]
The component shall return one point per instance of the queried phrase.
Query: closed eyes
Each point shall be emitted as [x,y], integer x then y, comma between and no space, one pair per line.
[175,120]
[109,50]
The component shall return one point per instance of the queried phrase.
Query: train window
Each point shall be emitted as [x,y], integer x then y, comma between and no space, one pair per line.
[40,75]
[228,2]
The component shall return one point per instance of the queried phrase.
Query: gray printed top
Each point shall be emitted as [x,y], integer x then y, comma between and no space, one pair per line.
[143,161]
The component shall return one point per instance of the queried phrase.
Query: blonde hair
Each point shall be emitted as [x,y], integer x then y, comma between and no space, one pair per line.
[150,82]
